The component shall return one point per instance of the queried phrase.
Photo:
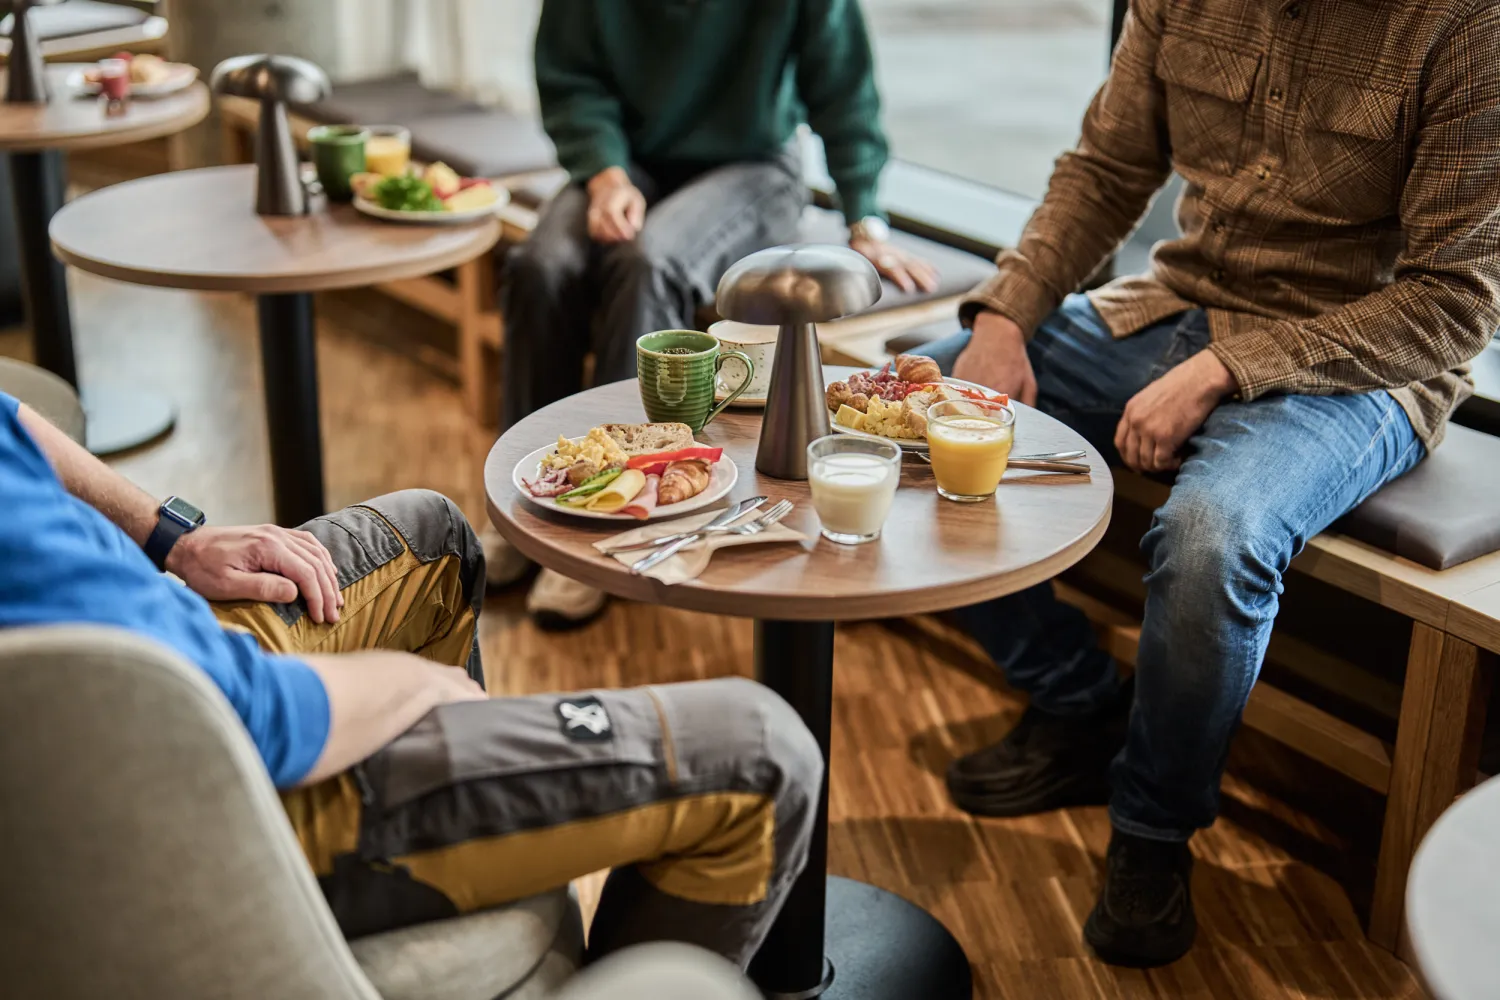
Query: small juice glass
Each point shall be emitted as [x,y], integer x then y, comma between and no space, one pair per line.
[388,150]
[969,443]
[853,482]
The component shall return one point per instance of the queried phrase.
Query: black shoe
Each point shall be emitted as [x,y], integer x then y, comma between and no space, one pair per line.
[1047,762]
[1144,916]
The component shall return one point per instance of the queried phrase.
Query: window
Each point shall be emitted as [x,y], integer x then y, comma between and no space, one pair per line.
[991,90]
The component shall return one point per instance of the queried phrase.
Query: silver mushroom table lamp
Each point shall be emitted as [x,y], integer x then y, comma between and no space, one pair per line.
[25,77]
[794,288]
[275,81]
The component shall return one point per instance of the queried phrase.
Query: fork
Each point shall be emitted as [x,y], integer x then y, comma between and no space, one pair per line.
[773,514]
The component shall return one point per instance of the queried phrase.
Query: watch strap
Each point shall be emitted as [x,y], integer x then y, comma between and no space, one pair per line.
[170,527]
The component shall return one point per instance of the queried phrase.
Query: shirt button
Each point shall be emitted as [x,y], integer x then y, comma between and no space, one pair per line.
[1263,172]
[1218,225]
[1293,12]
[1218,274]
[1275,95]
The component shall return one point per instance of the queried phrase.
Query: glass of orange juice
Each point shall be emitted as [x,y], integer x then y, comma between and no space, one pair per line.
[969,443]
[388,150]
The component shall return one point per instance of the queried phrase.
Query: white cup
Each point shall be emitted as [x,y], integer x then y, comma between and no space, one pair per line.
[758,343]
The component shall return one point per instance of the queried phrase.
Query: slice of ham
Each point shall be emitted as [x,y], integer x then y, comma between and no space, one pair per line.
[553,482]
[645,501]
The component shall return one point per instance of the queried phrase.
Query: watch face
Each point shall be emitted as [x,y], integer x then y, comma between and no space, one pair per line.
[875,228]
[180,510]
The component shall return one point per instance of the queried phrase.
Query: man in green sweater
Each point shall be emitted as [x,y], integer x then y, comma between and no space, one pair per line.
[676,120]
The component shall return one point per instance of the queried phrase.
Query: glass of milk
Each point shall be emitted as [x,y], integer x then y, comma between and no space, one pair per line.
[853,482]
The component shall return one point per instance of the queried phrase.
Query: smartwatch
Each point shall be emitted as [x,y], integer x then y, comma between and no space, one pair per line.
[871,227]
[174,518]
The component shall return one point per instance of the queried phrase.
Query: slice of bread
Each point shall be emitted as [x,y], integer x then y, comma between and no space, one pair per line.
[646,439]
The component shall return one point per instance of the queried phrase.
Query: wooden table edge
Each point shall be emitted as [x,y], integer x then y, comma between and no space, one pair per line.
[595,572]
[291,283]
[120,136]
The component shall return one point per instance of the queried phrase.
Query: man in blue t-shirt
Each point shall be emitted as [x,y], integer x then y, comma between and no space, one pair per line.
[342,645]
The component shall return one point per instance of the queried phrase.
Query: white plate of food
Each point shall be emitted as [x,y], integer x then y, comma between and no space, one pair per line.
[150,76]
[436,195]
[626,472]
[892,401]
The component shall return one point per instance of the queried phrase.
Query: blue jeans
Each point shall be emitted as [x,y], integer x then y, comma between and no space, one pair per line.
[1258,480]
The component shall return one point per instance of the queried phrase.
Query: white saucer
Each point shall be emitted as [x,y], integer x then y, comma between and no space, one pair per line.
[745,402]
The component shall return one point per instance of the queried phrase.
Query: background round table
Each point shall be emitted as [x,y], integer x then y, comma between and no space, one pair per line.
[197,229]
[933,555]
[34,137]
[1453,899]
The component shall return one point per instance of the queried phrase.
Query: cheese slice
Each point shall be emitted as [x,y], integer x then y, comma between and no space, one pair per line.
[618,493]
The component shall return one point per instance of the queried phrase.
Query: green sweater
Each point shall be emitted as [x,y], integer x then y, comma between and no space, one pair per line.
[710,82]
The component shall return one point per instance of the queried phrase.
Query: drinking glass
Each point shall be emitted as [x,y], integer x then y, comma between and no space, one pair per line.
[388,150]
[853,482]
[969,443]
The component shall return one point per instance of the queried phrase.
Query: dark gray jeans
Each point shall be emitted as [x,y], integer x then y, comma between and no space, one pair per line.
[562,296]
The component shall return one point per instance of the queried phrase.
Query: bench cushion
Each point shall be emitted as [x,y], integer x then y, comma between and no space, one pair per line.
[473,139]
[958,271]
[1444,511]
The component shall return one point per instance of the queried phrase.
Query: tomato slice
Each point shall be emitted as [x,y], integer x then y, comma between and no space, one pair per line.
[657,462]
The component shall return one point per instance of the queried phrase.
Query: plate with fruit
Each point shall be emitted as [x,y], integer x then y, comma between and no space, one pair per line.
[436,194]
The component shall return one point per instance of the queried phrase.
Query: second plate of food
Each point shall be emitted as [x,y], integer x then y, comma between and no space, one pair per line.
[891,403]
[626,473]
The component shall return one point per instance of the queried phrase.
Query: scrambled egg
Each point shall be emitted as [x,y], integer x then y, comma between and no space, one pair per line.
[598,448]
[887,419]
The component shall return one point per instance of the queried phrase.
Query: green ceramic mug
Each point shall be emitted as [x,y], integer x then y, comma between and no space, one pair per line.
[338,153]
[677,369]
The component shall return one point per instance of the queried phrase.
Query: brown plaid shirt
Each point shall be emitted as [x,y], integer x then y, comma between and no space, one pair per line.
[1341,218]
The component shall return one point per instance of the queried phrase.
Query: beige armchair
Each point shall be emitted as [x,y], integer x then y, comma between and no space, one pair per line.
[147,855]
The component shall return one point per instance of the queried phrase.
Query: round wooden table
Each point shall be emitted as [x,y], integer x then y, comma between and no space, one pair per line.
[197,229]
[34,137]
[1453,899]
[933,555]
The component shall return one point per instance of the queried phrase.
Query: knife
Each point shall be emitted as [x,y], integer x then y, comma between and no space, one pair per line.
[729,515]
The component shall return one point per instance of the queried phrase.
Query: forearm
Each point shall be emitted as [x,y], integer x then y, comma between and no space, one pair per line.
[91,481]
[373,697]
[1098,191]
[836,81]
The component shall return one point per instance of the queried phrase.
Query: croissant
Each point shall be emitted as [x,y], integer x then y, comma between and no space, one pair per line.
[917,368]
[681,481]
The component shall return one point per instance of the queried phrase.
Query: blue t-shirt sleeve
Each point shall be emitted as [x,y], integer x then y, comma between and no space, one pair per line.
[61,562]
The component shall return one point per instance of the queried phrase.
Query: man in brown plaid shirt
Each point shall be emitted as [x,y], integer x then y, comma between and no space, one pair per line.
[1302,343]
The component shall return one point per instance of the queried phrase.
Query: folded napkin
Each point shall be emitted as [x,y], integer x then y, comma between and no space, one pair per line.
[693,560]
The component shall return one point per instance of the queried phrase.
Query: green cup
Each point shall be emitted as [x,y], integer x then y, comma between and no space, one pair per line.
[338,153]
[676,370]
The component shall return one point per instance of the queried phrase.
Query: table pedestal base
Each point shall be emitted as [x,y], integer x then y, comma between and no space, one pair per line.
[120,417]
[880,947]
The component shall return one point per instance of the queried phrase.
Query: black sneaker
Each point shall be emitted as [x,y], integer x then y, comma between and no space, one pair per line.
[1046,762]
[1144,916]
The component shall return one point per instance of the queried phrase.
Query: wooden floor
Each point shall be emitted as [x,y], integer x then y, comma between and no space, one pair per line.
[1273,884]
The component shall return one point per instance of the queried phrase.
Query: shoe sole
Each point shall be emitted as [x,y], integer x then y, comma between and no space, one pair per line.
[1066,791]
[556,621]
[1142,958]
